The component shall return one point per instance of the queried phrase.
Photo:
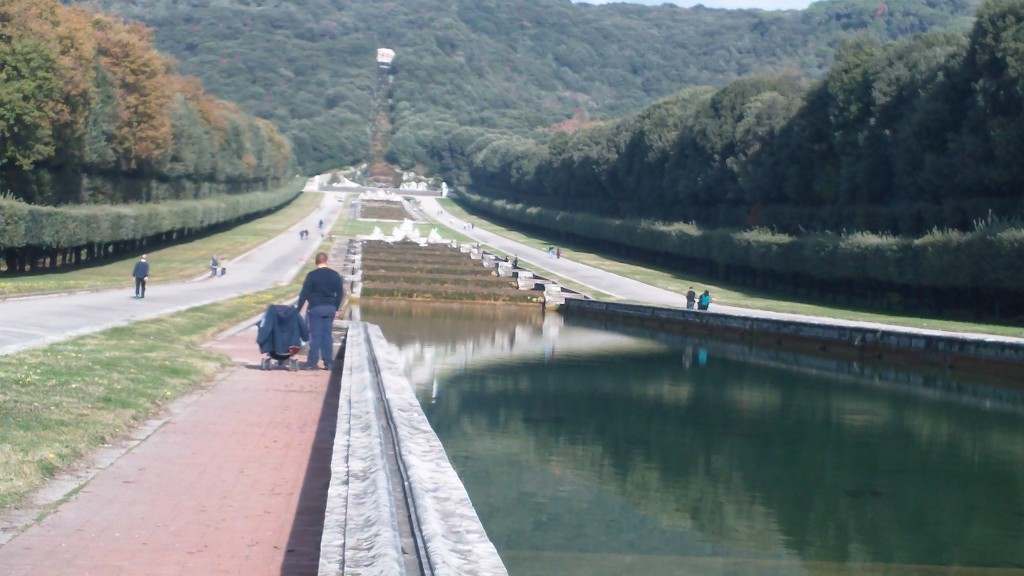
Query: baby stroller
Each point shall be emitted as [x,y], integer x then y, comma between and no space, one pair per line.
[282,331]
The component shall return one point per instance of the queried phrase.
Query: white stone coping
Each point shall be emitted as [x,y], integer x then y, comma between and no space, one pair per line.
[360,533]
[359,511]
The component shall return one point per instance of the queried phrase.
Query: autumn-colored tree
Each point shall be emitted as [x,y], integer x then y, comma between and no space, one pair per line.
[46,71]
[91,112]
[139,74]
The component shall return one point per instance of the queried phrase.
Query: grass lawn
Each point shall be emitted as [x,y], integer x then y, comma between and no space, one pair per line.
[679,281]
[54,413]
[535,267]
[366,226]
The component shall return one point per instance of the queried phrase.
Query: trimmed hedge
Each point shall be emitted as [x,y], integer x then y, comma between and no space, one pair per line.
[29,232]
[23,225]
[985,261]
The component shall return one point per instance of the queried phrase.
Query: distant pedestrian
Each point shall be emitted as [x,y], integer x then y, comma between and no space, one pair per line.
[321,225]
[551,251]
[214,265]
[141,274]
[704,301]
[322,290]
[223,267]
[691,298]
[558,253]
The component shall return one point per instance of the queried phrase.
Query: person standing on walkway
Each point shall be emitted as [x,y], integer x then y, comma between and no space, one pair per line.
[141,275]
[322,290]
[691,298]
[704,301]
[214,265]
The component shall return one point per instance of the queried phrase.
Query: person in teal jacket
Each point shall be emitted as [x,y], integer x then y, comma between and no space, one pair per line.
[704,301]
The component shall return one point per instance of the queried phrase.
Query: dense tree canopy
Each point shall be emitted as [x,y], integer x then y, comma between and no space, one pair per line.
[897,137]
[91,112]
[518,67]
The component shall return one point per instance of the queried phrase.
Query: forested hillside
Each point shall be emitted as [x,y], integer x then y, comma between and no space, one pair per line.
[898,138]
[91,113]
[518,67]
[895,181]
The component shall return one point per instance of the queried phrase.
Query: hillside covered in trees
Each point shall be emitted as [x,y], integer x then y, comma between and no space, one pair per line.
[91,113]
[515,67]
[893,181]
[896,138]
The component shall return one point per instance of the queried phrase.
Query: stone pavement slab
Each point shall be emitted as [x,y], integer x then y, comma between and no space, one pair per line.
[228,485]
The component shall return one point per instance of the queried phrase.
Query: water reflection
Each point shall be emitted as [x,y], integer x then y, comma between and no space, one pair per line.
[594,452]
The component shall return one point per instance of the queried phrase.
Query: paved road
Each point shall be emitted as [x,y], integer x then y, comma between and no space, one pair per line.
[629,289]
[40,320]
[36,321]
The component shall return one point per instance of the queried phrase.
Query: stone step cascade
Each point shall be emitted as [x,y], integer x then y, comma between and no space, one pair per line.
[526,280]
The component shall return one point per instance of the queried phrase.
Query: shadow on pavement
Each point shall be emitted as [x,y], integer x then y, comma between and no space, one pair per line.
[302,557]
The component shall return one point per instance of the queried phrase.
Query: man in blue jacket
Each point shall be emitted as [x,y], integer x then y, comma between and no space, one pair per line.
[141,274]
[322,290]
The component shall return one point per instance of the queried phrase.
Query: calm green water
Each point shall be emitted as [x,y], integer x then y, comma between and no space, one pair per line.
[588,451]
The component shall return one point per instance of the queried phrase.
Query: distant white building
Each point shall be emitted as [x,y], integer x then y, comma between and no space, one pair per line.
[384,58]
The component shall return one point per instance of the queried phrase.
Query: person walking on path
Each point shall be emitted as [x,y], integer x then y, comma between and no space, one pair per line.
[214,265]
[691,298]
[322,290]
[141,275]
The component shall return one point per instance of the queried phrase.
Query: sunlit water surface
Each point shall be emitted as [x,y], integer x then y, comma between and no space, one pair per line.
[589,451]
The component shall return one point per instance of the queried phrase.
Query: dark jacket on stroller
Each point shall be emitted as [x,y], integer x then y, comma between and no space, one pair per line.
[281,327]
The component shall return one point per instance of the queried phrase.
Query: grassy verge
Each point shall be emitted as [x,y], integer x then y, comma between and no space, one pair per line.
[679,281]
[171,264]
[535,267]
[54,413]
[365,227]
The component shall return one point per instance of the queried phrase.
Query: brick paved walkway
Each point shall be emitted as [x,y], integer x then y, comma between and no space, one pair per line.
[231,484]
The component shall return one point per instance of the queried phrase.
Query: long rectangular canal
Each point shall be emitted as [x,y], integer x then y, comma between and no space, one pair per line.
[589,450]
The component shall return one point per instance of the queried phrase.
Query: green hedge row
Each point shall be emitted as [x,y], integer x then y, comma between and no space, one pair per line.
[24,225]
[988,259]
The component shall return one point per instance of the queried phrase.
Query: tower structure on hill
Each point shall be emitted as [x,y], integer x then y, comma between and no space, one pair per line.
[384,58]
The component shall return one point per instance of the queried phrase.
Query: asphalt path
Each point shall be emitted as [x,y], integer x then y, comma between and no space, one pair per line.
[599,280]
[628,289]
[40,320]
